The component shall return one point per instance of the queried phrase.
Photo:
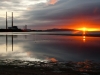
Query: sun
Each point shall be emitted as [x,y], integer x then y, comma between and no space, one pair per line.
[84,28]
[88,29]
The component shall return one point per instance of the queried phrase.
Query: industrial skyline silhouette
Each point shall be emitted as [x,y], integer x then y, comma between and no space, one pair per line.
[6,33]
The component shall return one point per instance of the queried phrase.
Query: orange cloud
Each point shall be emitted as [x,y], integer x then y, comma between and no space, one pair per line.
[52,1]
[81,22]
[52,59]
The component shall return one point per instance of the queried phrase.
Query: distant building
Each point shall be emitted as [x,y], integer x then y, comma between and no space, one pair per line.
[25,28]
[14,27]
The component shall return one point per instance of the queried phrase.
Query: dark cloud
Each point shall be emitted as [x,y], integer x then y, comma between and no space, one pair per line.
[64,11]
[52,13]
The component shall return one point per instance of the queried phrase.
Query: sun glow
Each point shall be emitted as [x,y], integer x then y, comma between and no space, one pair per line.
[88,29]
[84,29]
[84,38]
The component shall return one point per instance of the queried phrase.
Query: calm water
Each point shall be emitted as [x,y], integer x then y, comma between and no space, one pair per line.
[30,46]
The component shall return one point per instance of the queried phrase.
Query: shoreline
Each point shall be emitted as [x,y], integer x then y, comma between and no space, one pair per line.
[47,33]
[49,68]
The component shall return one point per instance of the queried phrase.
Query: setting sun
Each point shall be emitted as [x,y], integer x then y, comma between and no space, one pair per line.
[88,29]
[84,29]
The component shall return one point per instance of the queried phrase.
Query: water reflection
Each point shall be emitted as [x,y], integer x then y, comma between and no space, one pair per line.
[84,38]
[25,36]
[12,36]
[19,52]
[12,42]
[7,42]
[50,47]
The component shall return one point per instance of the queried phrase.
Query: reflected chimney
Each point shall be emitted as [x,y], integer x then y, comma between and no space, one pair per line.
[6,33]
[12,31]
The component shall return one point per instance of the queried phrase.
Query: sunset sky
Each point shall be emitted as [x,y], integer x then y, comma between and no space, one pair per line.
[47,14]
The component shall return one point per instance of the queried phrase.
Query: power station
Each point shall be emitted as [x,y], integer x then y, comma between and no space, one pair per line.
[12,27]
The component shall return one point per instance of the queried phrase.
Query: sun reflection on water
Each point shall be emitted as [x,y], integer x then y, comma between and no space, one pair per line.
[84,38]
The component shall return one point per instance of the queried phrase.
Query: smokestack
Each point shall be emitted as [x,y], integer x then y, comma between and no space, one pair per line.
[12,30]
[6,31]
[6,21]
[25,27]
[12,19]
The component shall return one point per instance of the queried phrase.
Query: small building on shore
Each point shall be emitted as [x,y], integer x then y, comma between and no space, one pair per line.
[14,27]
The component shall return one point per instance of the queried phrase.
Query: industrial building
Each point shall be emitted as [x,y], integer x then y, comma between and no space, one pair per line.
[14,27]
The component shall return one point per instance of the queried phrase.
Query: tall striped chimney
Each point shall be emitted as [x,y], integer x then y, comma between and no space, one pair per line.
[12,19]
[6,22]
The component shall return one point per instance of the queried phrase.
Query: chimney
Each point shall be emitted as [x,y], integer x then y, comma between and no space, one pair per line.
[6,22]
[12,19]
[12,30]
[6,31]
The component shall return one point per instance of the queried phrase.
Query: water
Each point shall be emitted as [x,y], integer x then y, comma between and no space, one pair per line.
[34,46]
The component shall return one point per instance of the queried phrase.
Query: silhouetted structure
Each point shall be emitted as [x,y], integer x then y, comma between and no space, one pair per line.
[13,27]
[6,34]
[9,28]
[25,27]
[6,21]
[12,19]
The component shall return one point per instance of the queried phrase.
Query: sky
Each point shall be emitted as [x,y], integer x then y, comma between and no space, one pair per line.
[48,14]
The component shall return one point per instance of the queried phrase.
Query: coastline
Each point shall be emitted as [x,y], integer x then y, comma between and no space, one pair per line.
[48,68]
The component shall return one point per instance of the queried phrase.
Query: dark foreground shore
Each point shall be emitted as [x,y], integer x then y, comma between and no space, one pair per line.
[16,67]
